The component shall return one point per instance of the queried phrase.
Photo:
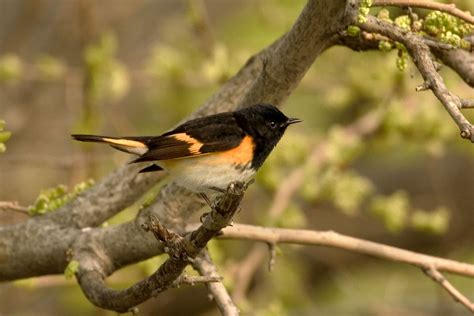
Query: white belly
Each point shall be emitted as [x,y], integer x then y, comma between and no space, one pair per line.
[200,174]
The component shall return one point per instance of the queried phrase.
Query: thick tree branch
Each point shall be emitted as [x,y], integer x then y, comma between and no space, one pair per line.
[182,250]
[40,245]
[110,196]
[460,60]
[444,7]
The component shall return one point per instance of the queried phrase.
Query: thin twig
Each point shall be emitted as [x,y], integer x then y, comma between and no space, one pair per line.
[444,7]
[430,264]
[467,104]
[13,206]
[204,265]
[336,240]
[454,292]
[423,60]
[194,279]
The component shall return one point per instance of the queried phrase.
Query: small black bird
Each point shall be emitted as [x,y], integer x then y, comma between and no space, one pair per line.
[208,152]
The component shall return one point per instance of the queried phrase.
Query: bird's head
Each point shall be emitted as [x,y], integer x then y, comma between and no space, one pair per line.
[267,121]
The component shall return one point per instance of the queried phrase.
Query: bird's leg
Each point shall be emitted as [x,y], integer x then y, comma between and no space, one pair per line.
[220,190]
[206,199]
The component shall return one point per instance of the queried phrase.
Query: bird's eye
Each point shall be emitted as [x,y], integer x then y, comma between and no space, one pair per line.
[273,124]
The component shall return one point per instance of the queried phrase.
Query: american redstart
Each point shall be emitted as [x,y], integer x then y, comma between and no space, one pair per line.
[208,152]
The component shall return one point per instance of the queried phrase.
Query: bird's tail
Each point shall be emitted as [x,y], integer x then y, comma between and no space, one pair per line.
[132,145]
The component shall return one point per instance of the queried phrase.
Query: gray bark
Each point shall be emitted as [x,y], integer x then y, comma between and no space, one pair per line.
[42,245]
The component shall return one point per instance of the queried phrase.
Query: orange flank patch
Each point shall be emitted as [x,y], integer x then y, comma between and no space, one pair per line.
[124,142]
[195,144]
[241,154]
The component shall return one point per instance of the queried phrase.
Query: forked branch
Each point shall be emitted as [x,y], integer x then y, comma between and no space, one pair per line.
[429,264]
[423,60]
[182,251]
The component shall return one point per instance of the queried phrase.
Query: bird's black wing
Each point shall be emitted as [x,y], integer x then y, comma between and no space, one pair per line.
[215,133]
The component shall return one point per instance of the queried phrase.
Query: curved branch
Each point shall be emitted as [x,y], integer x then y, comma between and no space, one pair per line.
[444,7]
[269,76]
[94,266]
[429,264]
[50,236]
[459,60]
[423,60]
[204,265]
[110,196]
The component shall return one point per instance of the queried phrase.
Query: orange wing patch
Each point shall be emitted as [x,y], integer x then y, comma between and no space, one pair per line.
[241,154]
[195,144]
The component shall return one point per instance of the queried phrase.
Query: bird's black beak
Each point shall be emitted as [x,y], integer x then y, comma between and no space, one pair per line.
[293,121]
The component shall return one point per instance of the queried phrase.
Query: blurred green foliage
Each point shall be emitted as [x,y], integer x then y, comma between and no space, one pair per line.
[392,210]
[4,136]
[435,222]
[442,26]
[53,198]
[364,9]
[10,68]
[341,87]
[46,67]
[50,68]
[109,77]
[71,269]
[447,28]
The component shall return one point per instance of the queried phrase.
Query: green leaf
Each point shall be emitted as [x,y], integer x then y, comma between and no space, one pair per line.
[403,21]
[364,8]
[384,14]
[71,269]
[53,198]
[447,28]
[385,46]
[353,30]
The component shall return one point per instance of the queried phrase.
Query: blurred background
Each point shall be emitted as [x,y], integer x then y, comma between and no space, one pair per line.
[123,67]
